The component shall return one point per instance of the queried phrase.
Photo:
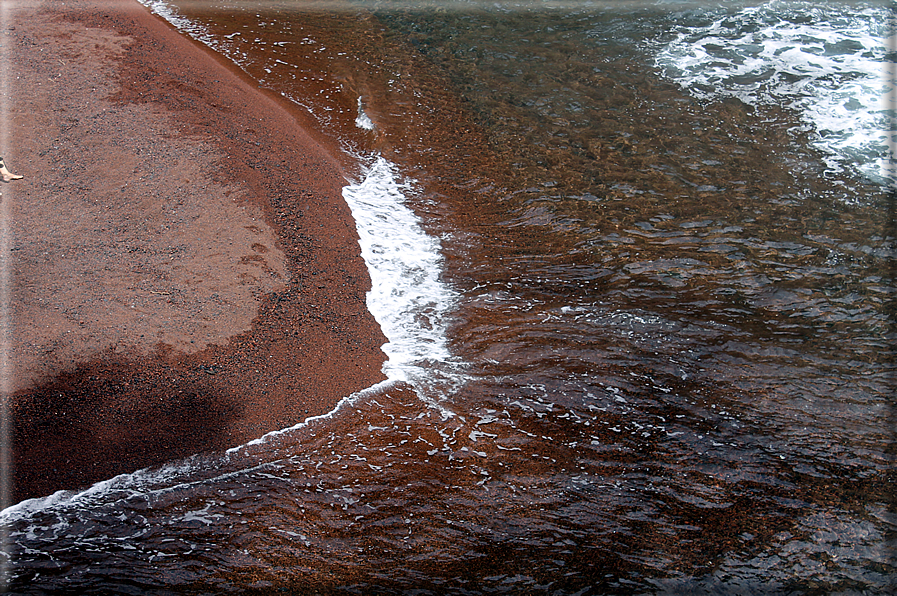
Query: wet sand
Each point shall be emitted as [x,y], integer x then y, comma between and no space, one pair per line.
[182,273]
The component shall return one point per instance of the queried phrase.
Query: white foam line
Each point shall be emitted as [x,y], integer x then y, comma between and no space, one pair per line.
[346,401]
[407,296]
[130,482]
[181,23]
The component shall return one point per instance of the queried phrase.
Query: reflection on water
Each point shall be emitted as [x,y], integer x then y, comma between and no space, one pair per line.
[676,324]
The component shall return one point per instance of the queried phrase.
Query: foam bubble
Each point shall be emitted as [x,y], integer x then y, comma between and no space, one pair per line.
[363,121]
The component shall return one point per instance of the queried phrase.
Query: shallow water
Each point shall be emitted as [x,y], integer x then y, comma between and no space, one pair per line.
[636,276]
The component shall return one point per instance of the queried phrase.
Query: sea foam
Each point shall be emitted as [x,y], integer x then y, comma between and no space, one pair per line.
[408,298]
[828,63]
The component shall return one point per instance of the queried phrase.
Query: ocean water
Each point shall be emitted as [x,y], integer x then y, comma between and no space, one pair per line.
[634,261]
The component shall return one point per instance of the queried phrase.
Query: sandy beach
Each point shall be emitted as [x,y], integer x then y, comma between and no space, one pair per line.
[182,273]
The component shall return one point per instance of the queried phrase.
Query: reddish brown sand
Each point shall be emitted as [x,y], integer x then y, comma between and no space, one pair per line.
[182,274]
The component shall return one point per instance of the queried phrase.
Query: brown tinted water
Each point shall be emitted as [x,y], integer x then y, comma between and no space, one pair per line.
[672,363]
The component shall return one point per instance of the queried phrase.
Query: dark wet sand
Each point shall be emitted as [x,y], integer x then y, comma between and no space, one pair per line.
[183,273]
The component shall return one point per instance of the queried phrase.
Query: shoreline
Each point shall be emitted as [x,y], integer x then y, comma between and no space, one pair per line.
[185,274]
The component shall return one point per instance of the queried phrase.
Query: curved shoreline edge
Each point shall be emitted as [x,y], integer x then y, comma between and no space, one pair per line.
[176,129]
